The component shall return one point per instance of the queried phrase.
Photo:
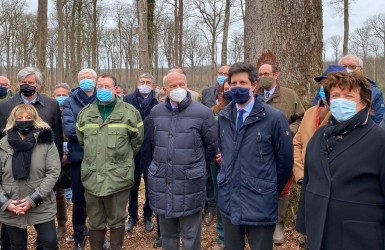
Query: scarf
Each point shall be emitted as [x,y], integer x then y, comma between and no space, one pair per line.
[21,158]
[85,98]
[334,131]
[144,103]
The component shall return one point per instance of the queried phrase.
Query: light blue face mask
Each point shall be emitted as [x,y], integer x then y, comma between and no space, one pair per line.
[322,93]
[61,99]
[342,109]
[104,95]
[221,80]
[86,85]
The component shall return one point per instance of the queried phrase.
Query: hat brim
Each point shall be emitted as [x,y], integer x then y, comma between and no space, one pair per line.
[319,78]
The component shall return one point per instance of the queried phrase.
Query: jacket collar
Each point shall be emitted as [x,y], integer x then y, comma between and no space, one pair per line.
[275,96]
[182,105]
[39,99]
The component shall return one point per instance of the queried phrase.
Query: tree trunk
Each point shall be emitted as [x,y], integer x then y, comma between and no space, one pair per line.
[79,31]
[176,43]
[151,30]
[180,37]
[94,44]
[225,33]
[41,34]
[346,27]
[144,65]
[289,32]
[60,41]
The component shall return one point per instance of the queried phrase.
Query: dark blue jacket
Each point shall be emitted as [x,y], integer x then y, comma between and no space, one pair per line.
[133,100]
[183,140]
[256,163]
[377,102]
[71,108]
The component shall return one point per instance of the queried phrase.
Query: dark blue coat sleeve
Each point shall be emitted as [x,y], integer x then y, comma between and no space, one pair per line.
[378,105]
[69,120]
[284,152]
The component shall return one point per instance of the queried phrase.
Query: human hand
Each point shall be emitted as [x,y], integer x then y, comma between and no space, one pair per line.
[218,158]
[15,208]
[24,205]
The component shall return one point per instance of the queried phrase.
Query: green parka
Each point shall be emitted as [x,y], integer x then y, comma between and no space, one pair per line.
[109,147]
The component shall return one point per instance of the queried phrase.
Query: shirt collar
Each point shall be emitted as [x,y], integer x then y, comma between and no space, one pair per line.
[248,107]
[271,91]
[25,101]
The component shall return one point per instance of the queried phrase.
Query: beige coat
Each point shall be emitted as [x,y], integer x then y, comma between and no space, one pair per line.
[44,172]
[305,131]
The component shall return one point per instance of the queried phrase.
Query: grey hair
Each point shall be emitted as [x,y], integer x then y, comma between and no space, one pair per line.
[358,59]
[91,71]
[62,85]
[147,75]
[30,71]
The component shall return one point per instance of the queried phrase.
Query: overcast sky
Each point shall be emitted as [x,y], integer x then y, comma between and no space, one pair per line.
[360,10]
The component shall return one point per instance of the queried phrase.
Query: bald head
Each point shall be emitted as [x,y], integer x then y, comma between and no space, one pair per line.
[4,81]
[174,78]
[223,70]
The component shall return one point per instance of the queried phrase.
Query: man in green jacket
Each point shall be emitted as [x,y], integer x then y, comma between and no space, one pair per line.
[111,132]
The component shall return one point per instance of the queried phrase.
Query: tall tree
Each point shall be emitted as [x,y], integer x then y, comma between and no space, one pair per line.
[144,62]
[60,41]
[42,36]
[290,32]
[225,33]
[335,42]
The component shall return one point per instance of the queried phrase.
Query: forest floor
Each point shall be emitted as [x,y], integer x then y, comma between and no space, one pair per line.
[140,239]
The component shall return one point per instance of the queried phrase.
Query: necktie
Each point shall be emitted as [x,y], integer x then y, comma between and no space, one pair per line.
[240,118]
[267,95]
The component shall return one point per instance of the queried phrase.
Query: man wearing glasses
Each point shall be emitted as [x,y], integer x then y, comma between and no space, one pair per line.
[5,88]
[111,133]
[354,64]
[286,100]
[143,99]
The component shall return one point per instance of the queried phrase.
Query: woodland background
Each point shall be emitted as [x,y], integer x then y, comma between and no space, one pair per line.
[127,38]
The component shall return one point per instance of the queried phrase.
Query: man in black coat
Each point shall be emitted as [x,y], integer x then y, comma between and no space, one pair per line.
[143,99]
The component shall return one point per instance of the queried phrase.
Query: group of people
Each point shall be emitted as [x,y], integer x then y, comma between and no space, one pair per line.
[234,151]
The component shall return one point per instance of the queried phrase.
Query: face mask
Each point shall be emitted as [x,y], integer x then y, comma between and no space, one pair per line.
[104,95]
[240,95]
[3,91]
[86,85]
[228,96]
[178,94]
[266,82]
[144,89]
[27,90]
[349,70]
[322,93]
[342,109]
[61,99]
[24,127]
[221,80]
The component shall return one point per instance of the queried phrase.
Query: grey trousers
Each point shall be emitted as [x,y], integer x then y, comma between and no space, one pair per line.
[188,228]
[259,237]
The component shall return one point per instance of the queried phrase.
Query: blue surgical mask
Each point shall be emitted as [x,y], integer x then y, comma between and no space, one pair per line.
[228,96]
[221,80]
[240,95]
[342,109]
[3,91]
[61,99]
[322,93]
[104,95]
[86,85]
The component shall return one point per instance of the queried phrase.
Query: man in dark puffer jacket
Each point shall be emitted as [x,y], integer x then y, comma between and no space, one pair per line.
[184,139]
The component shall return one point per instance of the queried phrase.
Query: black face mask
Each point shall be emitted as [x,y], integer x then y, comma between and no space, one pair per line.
[27,90]
[24,127]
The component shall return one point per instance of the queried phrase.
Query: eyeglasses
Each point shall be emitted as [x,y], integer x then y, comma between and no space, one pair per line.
[264,74]
[145,82]
[98,86]
[223,74]
[351,67]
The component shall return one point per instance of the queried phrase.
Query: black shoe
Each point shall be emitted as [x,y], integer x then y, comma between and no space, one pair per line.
[157,243]
[148,225]
[131,223]
[79,246]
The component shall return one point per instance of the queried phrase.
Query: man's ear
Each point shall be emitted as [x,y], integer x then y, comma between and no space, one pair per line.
[276,75]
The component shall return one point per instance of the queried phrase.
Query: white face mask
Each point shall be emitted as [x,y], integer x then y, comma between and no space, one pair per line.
[178,94]
[144,89]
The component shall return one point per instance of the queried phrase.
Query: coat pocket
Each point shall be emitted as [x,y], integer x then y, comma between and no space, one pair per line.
[358,235]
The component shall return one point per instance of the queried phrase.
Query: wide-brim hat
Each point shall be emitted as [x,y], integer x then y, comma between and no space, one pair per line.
[330,69]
